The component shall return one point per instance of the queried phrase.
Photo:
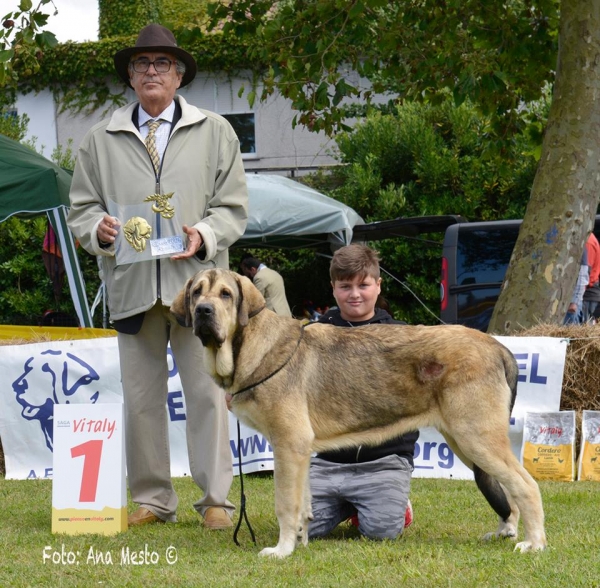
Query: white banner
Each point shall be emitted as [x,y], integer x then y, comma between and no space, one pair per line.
[40,375]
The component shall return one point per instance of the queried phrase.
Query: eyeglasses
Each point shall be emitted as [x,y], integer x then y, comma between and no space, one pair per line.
[161,65]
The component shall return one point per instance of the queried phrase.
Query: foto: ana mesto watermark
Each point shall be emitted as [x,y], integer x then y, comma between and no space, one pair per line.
[92,556]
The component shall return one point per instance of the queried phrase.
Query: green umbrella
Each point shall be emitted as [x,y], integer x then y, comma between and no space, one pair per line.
[31,185]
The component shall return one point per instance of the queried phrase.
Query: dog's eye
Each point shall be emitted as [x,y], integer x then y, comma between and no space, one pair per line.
[225,294]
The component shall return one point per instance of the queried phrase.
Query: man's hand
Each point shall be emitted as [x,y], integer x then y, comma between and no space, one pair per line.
[194,242]
[108,229]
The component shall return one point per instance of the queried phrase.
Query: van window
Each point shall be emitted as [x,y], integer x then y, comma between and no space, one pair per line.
[483,255]
[482,258]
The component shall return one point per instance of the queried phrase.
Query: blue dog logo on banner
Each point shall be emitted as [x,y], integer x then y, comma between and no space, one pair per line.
[64,376]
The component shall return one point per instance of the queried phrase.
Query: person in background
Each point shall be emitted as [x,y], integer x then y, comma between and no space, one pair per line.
[591,295]
[53,262]
[369,485]
[175,175]
[574,311]
[269,283]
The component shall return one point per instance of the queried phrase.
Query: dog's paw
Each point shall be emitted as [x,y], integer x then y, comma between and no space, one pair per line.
[504,531]
[525,546]
[275,552]
[504,534]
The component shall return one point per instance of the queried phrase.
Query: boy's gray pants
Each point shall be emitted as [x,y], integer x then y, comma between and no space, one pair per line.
[376,490]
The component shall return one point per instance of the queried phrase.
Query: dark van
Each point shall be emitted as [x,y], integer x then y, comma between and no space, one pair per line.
[474,260]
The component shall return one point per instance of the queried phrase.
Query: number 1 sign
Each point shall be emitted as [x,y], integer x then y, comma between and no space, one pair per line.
[88,486]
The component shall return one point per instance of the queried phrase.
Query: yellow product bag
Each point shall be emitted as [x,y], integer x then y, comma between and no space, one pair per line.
[549,445]
[589,456]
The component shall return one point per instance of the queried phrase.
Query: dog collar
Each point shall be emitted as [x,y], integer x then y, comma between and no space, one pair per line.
[255,312]
[278,369]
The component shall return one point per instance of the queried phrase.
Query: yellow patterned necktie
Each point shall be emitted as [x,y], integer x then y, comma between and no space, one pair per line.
[151,143]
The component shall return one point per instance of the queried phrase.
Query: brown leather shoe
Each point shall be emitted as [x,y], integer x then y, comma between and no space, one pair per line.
[216,518]
[142,516]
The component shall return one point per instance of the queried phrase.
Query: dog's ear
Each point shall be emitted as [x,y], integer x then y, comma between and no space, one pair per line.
[251,300]
[181,307]
[243,312]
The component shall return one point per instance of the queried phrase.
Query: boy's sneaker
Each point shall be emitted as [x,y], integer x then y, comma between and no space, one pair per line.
[408,515]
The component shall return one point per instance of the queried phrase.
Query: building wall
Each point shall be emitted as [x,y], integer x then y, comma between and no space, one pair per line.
[42,124]
[279,148]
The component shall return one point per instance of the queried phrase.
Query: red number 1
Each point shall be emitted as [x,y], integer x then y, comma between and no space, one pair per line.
[91,450]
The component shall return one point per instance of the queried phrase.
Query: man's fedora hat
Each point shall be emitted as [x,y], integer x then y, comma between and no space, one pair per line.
[155,38]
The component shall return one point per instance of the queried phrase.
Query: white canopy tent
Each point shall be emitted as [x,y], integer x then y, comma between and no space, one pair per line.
[284,213]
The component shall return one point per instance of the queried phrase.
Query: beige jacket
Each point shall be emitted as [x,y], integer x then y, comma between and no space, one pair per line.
[201,166]
[271,286]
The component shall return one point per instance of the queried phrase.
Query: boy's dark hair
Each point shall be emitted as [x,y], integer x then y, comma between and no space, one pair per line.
[249,262]
[354,260]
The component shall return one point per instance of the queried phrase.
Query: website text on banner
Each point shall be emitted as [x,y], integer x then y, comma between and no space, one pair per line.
[87,371]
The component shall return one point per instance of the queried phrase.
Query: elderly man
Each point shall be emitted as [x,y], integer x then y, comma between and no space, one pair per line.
[159,193]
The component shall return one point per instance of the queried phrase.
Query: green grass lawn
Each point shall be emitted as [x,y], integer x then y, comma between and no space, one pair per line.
[441,548]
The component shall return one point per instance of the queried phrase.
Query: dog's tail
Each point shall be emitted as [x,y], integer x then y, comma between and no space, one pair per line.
[511,372]
[489,486]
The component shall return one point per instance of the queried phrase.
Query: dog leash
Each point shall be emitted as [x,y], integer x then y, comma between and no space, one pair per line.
[256,384]
[243,513]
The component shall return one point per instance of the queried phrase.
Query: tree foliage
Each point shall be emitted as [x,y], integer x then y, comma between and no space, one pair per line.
[23,42]
[429,159]
[119,18]
[25,288]
[495,54]
[12,126]
[426,159]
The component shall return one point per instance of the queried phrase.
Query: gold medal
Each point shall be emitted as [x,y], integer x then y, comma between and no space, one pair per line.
[137,231]
[161,204]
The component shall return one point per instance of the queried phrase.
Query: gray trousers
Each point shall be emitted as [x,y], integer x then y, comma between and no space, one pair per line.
[588,309]
[376,490]
[144,373]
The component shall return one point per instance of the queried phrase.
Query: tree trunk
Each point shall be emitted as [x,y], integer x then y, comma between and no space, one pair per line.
[564,197]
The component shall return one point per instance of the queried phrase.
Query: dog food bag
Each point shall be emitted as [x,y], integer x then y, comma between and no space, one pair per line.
[549,445]
[589,456]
